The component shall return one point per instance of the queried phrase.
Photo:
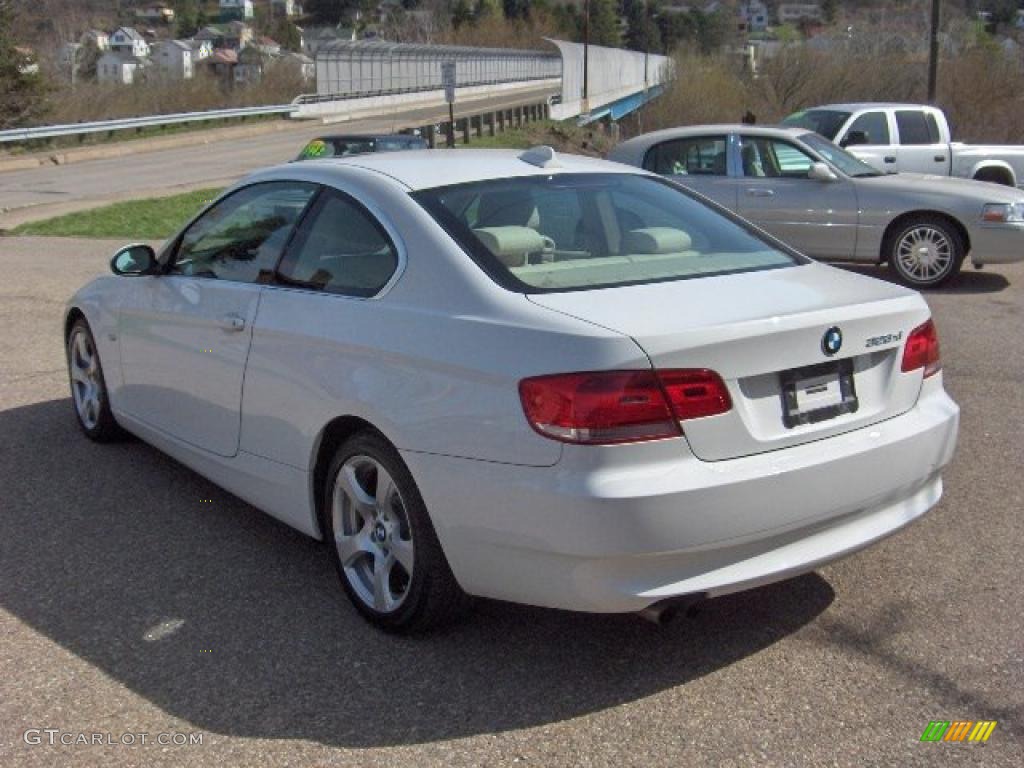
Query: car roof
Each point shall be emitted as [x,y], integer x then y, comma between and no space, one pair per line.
[633,150]
[366,137]
[441,167]
[855,106]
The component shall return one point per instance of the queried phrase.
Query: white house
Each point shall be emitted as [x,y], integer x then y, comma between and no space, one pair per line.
[128,42]
[791,13]
[754,15]
[201,49]
[236,10]
[119,68]
[174,59]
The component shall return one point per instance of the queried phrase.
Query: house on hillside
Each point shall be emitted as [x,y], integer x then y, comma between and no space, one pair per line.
[794,13]
[222,64]
[315,38]
[120,68]
[174,59]
[127,41]
[155,13]
[252,62]
[201,49]
[302,64]
[28,63]
[236,10]
[267,45]
[753,16]
[235,35]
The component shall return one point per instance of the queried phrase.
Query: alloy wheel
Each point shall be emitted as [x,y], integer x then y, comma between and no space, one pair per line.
[372,533]
[925,254]
[86,380]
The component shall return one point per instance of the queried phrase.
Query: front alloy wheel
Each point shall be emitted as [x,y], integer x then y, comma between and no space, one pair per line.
[926,253]
[88,387]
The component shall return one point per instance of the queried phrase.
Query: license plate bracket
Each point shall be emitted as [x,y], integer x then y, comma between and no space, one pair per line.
[818,392]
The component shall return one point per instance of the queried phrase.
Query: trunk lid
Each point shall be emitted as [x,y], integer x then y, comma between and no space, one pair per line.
[763,333]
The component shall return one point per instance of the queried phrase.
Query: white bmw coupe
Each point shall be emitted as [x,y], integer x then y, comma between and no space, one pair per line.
[540,378]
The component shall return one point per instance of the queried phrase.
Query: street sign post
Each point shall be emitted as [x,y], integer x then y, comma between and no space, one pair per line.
[448,80]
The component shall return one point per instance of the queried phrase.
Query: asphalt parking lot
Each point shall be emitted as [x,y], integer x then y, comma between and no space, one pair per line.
[136,597]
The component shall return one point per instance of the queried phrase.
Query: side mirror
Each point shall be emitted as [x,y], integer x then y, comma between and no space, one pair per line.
[821,172]
[853,138]
[133,260]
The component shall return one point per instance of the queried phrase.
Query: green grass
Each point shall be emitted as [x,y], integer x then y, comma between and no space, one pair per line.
[514,138]
[151,219]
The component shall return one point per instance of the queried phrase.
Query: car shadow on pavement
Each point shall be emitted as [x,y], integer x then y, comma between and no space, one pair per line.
[969,281]
[235,623]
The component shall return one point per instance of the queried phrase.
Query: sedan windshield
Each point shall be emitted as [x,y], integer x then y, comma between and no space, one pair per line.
[827,122]
[577,231]
[838,156]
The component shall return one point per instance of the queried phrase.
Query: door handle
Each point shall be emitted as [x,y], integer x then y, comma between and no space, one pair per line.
[760,192]
[939,158]
[232,323]
[889,159]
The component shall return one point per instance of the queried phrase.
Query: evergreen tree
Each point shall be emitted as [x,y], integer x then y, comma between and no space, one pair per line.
[642,33]
[186,16]
[604,23]
[22,94]
[461,13]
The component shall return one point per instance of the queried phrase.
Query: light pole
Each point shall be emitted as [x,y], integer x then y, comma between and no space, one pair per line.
[933,53]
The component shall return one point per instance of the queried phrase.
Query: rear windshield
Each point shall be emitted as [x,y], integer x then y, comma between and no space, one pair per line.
[827,122]
[576,231]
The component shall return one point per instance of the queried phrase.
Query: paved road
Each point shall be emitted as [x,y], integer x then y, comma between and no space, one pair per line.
[219,162]
[128,604]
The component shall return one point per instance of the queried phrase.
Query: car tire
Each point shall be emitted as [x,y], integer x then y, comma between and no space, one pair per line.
[89,396]
[925,251]
[382,541]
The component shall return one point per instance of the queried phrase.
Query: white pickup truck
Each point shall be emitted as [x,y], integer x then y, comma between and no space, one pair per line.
[910,138]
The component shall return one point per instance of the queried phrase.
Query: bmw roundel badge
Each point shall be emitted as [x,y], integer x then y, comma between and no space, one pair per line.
[832,341]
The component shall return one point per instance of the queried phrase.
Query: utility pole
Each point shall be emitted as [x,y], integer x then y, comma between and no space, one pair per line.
[933,53]
[586,46]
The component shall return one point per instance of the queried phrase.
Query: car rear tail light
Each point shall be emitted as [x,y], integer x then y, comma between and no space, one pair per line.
[922,350]
[607,407]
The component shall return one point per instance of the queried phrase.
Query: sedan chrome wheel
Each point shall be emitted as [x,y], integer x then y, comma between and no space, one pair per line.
[86,380]
[372,534]
[925,255]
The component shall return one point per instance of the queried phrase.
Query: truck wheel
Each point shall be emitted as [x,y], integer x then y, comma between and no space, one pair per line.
[925,251]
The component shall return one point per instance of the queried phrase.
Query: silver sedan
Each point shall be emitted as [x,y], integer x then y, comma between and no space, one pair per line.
[823,201]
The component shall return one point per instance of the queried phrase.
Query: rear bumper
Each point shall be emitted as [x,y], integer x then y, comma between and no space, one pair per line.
[619,528]
[997,244]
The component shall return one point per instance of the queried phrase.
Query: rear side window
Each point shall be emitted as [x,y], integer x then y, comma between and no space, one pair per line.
[568,232]
[340,248]
[914,128]
[697,156]
[874,126]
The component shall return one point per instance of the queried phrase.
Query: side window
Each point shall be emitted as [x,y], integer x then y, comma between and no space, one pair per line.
[913,128]
[933,128]
[243,233]
[874,126]
[340,248]
[697,156]
[763,157]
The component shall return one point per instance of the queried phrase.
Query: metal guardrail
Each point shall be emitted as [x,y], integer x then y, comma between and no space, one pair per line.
[104,126]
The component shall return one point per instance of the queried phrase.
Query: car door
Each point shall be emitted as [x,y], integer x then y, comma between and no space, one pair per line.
[818,218]
[185,334]
[699,163]
[869,137]
[920,149]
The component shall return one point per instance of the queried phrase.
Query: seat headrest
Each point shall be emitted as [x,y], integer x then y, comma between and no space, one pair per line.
[508,208]
[510,244]
[656,240]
